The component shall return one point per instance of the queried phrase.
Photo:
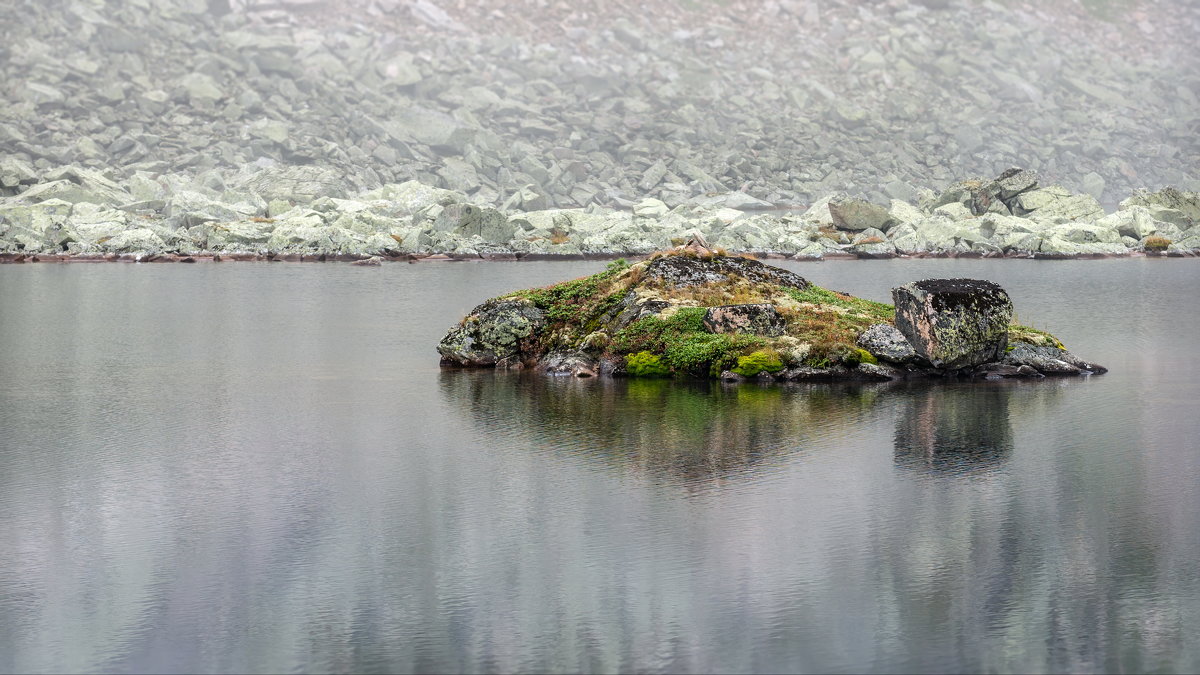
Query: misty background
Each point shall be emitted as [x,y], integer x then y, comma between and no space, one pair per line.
[535,104]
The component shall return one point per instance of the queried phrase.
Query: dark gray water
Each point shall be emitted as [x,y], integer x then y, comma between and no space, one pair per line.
[254,467]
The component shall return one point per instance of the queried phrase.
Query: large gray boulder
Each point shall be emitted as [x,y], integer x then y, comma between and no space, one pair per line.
[954,323]
[851,213]
[754,319]
[1057,203]
[491,333]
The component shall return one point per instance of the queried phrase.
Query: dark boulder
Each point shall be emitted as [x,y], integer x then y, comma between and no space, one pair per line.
[954,323]
[754,319]
[682,271]
[492,332]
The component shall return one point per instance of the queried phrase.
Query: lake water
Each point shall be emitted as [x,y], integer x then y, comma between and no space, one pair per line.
[260,467]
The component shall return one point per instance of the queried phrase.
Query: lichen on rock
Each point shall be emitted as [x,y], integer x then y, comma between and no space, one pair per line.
[954,323]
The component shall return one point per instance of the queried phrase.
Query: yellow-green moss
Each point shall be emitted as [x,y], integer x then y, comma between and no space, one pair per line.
[756,362]
[645,364]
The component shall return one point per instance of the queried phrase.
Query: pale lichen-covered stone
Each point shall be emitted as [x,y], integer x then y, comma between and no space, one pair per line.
[753,319]
[886,342]
[492,332]
[849,213]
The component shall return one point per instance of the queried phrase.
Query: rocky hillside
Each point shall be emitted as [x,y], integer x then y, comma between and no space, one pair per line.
[542,103]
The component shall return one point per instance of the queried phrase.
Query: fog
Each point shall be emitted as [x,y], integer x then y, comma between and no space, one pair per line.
[537,104]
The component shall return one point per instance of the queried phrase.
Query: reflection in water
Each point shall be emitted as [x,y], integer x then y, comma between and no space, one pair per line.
[966,427]
[684,431]
[954,429]
[223,485]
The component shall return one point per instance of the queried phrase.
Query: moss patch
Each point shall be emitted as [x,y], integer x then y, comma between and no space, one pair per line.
[645,364]
[756,362]
[1040,338]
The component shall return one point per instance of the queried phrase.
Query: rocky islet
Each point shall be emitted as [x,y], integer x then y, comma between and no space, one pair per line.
[695,312]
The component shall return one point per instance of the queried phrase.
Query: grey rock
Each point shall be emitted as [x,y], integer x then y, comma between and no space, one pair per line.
[1093,184]
[753,319]
[849,213]
[492,332]
[732,200]
[574,364]
[1049,360]
[1057,203]
[1168,204]
[886,342]
[297,184]
[677,271]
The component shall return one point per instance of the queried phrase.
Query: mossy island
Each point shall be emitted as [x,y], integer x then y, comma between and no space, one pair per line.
[695,312]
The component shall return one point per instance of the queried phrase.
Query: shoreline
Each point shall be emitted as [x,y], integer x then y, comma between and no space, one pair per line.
[366,260]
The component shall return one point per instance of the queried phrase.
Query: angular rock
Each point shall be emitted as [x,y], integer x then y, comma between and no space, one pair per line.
[732,200]
[571,363]
[1057,203]
[886,342]
[1049,360]
[675,272]
[849,213]
[752,319]
[954,323]
[1168,204]
[296,184]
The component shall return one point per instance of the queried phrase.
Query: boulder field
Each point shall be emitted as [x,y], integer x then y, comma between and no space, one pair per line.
[559,103]
[305,213]
[692,312]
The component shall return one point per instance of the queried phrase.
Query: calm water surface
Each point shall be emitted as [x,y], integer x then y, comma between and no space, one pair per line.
[257,467]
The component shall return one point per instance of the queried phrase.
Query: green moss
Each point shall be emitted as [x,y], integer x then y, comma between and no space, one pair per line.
[654,334]
[645,364]
[867,310]
[708,354]
[831,322]
[577,299]
[683,343]
[757,362]
[865,356]
[1033,336]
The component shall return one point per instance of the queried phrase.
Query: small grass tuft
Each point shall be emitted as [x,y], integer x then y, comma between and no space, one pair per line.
[1157,244]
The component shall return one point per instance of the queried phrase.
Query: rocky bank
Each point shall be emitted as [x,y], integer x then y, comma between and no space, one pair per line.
[695,312]
[301,213]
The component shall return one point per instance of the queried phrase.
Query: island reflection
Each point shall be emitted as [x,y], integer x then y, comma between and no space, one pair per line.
[677,431]
[692,432]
